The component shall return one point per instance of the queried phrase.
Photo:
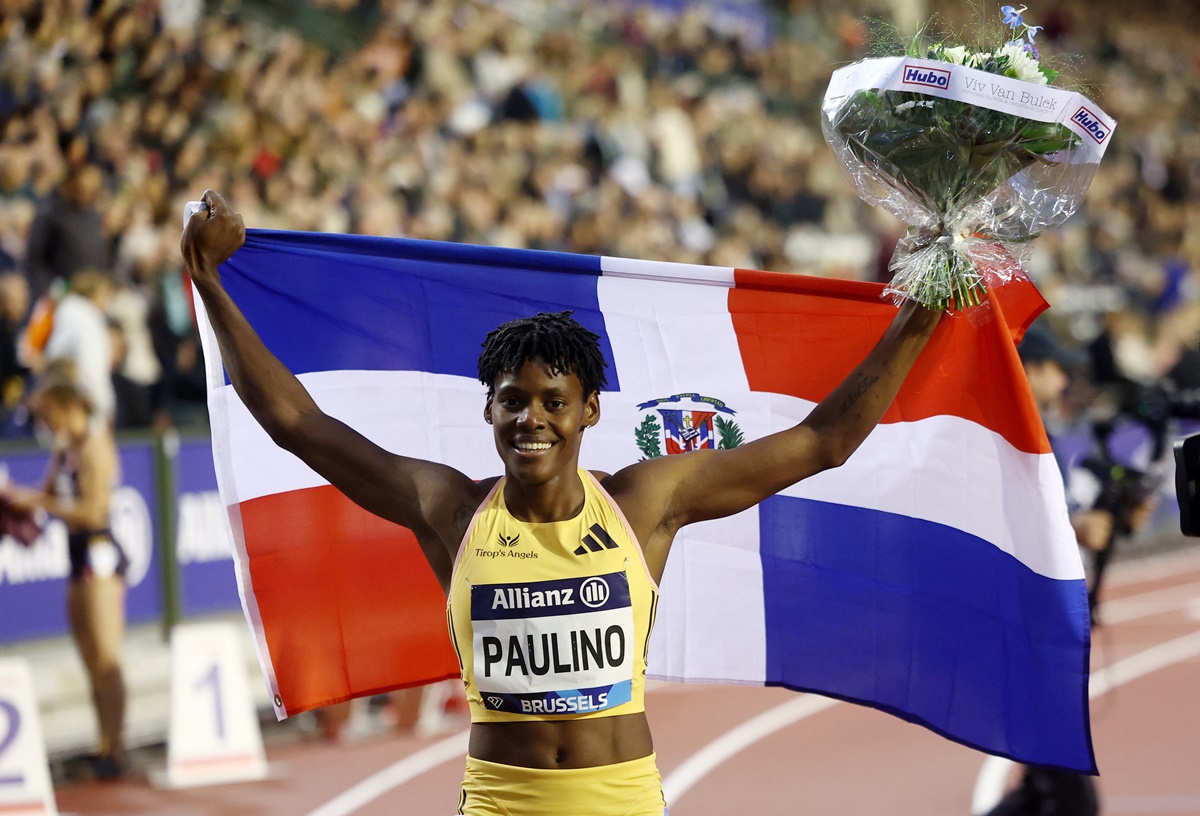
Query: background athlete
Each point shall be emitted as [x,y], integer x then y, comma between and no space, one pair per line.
[78,488]
[543,377]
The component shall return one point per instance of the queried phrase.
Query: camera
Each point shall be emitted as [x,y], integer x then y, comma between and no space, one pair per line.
[1187,483]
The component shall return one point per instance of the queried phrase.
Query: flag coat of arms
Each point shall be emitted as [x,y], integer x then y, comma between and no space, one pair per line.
[934,576]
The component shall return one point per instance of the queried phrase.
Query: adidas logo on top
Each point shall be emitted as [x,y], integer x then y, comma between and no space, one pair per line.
[598,539]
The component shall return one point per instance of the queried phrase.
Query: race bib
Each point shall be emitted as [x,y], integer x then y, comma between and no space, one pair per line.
[554,647]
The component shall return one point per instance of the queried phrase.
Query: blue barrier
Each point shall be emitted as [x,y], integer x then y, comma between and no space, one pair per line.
[33,580]
[206,572]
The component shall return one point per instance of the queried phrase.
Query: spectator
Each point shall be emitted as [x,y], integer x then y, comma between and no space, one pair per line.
[14,304]
[137,372]
[619,130]
[134,407]
[183,387]
[67,235]
[80,334]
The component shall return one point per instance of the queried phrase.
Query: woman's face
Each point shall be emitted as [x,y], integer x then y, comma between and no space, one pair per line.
[538,419]
[53,421]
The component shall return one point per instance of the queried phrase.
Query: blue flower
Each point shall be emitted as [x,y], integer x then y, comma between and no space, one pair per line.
[1030,31]
[1012,16]
[1031,49]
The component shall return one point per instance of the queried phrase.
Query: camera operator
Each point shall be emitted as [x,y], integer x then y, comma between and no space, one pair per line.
[1138,418]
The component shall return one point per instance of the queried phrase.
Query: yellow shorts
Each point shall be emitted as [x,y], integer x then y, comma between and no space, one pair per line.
[631,788]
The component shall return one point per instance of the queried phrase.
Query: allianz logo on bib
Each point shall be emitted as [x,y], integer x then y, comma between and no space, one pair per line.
[582,595]
[526,598]
[593,593]
[1091,124]
[929,77]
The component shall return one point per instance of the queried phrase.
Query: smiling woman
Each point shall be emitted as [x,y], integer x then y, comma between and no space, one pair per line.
[551,571]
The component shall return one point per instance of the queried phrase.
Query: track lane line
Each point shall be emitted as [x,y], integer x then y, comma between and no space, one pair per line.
[737,739]
[990,784]
[1146,604]
[413,765]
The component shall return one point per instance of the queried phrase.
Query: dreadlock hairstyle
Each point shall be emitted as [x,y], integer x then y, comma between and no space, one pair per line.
[565,345]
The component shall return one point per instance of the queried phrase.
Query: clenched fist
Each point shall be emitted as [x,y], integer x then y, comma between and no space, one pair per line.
[210,237]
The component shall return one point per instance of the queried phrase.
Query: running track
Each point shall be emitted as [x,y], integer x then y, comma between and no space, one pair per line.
[766,752]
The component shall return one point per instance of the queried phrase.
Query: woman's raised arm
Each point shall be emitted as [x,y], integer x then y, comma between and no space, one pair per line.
[661,495]
[424,496]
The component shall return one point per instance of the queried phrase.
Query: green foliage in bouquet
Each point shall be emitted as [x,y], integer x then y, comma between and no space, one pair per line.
[948,155]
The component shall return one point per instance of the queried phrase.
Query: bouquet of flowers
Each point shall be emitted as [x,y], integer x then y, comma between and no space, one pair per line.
[972,148]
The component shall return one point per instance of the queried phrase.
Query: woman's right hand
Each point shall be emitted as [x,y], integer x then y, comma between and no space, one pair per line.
[22,499]
[210,238]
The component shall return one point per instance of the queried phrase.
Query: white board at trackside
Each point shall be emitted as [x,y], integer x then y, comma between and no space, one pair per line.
[25,787]
[214,736]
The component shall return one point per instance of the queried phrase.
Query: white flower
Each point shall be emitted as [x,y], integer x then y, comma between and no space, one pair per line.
[1022,64]
[957,55]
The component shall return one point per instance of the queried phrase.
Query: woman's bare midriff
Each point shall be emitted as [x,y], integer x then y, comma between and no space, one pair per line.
[551,744]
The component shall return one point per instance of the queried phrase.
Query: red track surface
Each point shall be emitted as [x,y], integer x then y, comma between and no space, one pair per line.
[841,759]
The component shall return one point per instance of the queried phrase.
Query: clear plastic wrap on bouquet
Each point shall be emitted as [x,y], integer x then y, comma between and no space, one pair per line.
[977,165]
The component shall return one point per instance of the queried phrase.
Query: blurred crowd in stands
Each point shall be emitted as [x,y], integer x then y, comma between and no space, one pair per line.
[687,133]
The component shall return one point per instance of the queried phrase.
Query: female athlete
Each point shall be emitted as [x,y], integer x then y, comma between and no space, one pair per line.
[552,648]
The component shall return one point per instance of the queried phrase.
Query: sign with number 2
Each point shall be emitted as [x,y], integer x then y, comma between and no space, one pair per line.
[25,788]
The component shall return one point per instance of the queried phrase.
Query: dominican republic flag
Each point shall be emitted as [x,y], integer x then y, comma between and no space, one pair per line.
[934,576]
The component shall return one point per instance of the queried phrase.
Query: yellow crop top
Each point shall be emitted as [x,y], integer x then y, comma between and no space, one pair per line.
[552,621]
